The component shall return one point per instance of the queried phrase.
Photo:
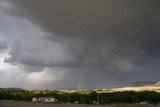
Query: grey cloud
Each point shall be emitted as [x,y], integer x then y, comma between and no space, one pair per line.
[3,45]
[91,17]
[32,50]
[112,41]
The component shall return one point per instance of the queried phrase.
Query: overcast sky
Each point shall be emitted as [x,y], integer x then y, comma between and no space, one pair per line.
[78,43]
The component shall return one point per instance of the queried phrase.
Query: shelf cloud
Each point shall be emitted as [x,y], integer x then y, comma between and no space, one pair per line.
[79,44]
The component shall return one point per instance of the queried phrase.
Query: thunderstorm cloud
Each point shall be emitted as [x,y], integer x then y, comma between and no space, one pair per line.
[78,44]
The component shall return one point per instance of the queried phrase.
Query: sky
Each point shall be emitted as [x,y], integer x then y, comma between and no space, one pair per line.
[78,43]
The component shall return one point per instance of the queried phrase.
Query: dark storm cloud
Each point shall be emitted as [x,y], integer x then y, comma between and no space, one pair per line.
[33,50]
[3,45]
[112,41]
[92,18]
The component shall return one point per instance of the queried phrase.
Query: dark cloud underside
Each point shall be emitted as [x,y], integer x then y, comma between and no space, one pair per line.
[116,42]
[3,45]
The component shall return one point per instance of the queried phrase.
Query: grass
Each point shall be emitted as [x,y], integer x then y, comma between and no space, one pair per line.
[100,90]
[145,88]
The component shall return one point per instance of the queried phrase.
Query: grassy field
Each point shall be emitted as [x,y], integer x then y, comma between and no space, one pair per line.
[144,88]
[103,90]
[24,104]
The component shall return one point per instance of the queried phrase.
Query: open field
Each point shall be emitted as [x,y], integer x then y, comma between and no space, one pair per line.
[24,104]
[144,88]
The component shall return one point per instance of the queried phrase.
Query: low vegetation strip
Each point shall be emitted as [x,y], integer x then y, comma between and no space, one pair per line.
[142,97]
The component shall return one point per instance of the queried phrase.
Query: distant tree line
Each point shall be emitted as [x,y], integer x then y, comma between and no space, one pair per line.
[17,94]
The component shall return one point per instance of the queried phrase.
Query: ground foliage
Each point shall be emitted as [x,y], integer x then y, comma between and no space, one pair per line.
[18,94]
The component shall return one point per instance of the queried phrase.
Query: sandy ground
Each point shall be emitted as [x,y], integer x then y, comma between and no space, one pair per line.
[25,104]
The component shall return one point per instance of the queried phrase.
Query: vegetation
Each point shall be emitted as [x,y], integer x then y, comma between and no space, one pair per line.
[17,94]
